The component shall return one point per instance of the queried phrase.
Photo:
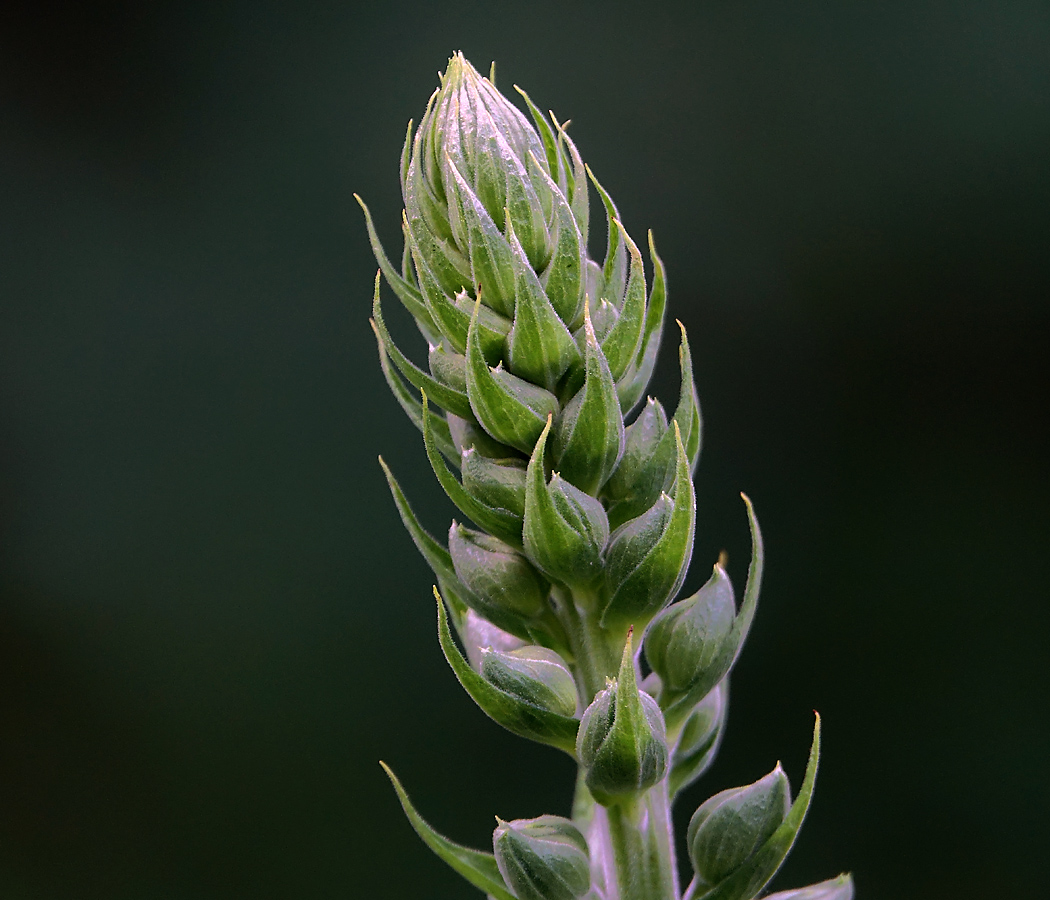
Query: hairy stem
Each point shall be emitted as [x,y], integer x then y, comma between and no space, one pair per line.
[632,846]
[596,654]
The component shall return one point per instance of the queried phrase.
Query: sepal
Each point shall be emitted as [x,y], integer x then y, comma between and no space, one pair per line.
[648,556]
[749,879]
[699,740]
[577,182]
[409,296]
[562,280]
[614,269]
[589,438]
[634,382]
[435,554]
[447,398]
[536,675]
[412,404]
[687,637]
[840,888]
[565,530]
[543,859]
[476,866]
[687,413]
[516,715]
[622,741]
[622,341]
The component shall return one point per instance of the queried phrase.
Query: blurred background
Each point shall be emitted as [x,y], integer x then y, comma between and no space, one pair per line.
[212,624]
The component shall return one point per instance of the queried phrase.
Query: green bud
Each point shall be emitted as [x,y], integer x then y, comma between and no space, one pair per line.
[589,438]
[642,471]
[840,888]
[686,638]
[543,859]
[727,830]
[534,674]
[448,368]
[494,147]
[603,318]
[565,530]
[648,556]
[505,589]
[539,347]
[498,483]
[509,408]
[699,739]
[622,741]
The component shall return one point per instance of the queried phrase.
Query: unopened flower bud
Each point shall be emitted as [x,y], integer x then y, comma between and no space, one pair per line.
[509,408]
[685,639]
[622,741]
[534,674]
[727,830]
[498,483]
[643,469]
[542,859]
[449,368]
[589,438]
[565,530]
[648,556]
[504,587]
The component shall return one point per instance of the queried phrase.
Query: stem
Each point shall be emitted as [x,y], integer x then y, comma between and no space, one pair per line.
[663,864]
[631,845]
[628,851]
[596,656]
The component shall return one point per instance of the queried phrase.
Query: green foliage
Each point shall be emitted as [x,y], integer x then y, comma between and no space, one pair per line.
[584,516]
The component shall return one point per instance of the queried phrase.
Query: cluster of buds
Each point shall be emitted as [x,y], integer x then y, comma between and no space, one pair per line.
[583,514]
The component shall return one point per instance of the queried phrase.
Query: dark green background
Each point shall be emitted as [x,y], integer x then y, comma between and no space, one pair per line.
[212,624]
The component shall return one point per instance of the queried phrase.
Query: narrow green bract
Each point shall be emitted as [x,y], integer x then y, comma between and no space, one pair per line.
[581,515]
